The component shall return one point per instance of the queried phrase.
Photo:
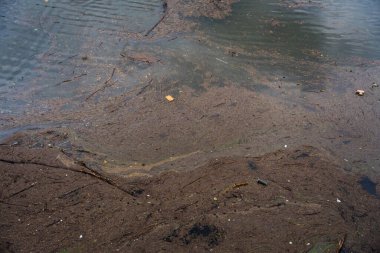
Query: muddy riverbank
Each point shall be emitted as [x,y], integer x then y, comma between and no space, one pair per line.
[95,158]
[51,203]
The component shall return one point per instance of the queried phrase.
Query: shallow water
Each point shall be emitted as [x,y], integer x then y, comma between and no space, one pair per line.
[55,54]
[45,45]
[64,49]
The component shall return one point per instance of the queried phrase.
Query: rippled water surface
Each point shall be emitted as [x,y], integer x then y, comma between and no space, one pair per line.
[64,49]
[45,45]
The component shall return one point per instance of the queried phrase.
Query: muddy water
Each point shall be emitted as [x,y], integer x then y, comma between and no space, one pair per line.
[64,61]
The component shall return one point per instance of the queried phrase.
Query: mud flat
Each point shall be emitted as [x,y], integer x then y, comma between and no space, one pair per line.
[240,160]
[52,203]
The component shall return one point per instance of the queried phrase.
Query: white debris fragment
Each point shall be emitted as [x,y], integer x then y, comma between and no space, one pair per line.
[338,200]
[221,60]
[359,92]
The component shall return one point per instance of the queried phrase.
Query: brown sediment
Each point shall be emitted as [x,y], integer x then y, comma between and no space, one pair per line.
[134,173]
[218,206]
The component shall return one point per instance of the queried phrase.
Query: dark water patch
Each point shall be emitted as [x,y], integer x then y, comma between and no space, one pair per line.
[209,233]
[369,186]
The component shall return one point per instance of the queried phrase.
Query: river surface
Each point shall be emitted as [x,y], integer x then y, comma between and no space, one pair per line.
[55,54]
[47,44]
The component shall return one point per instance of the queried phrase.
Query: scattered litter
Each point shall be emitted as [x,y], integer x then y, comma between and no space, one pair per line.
[359,92]
[215,198]
[263,182]
[307,244]
[169,98]
[290,243]
[285,146]
[221,60]
[375,85]
[338,200]
[81,236]
[345,160]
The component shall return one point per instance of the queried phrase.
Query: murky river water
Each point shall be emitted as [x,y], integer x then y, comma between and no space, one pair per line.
[61,48]
[43,44]
[55,54]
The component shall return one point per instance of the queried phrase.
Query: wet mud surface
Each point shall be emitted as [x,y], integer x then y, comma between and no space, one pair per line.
[52,203]
[101,161]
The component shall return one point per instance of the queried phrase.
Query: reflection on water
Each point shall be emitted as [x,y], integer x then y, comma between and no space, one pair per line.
[336,28]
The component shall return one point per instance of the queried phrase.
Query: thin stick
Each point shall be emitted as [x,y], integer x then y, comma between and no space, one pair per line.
[165,5]
[104,86]
[22,190]
[89,171]
[76,189]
